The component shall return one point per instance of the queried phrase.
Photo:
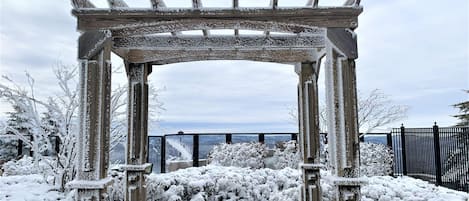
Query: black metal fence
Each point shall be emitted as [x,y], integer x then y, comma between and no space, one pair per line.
[438,155]
[195,147]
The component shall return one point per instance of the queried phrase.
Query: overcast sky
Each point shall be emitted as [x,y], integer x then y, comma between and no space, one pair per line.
[415,51]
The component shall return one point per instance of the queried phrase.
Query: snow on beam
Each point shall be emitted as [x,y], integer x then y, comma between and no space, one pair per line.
[82,4]
[92,19]
[219,42]
[177,56]
[190,24]
[117,4]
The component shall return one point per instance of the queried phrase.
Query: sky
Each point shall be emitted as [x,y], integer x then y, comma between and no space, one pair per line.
[417,53]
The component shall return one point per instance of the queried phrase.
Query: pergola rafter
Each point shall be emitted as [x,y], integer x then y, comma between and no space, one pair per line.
[308,34]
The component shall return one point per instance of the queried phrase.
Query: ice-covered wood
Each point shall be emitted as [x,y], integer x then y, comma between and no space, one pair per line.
[91,42]
[137,139]
[93,139]
[219,42]
[342,115]
[77,4]
[176,56]
[90,185]
[92,19]
[117,4]
[344,40]
[274,4]
[192,24]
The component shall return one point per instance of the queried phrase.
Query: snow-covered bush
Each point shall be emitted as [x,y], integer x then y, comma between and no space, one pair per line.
[375,159]
[286,156]
[224,183]
[238,155]
[26,166]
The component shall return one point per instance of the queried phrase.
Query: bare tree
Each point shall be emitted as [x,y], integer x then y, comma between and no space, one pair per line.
[375,110]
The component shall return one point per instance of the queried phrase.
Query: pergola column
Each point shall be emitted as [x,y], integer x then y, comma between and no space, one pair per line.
[137,148]
[309,129]
[343,124]
[94,128]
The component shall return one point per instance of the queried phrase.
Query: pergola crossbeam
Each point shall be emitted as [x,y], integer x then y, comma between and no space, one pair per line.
[219,42]
[176,56]
[92,19]
[193,24]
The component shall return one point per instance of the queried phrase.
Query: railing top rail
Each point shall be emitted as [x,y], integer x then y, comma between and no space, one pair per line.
[227,133]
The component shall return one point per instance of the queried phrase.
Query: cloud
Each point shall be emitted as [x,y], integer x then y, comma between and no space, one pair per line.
[415,51]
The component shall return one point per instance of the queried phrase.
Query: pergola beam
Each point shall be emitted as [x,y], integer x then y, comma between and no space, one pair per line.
[177,56]
[194,24]
[92,19]
[219,42]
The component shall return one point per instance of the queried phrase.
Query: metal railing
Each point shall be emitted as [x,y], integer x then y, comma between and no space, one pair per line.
[198,145]
[438,155]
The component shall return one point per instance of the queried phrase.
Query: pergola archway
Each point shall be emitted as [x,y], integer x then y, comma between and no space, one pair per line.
[135,35]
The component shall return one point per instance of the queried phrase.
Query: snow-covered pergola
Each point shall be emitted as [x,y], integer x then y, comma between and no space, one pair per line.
[145,37]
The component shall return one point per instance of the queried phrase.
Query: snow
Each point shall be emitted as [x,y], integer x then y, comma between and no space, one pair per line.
[27,188]
[233,183]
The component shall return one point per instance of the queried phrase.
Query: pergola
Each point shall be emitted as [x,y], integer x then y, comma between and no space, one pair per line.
[302,36]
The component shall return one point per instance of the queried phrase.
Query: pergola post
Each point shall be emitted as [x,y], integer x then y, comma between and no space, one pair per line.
[137,151]
[343,124]
[309,129]
[94,128]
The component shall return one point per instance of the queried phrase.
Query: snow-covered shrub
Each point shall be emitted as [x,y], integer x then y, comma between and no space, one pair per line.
[286,156]
[224,183]
[238,155]
[375,160]
[26,166]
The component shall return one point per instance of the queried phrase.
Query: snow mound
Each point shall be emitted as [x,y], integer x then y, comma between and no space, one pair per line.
[27,188]
[26,166]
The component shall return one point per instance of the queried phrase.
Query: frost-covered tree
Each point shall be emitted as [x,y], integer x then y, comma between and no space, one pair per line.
[463,115]
[375,110]
[59,117]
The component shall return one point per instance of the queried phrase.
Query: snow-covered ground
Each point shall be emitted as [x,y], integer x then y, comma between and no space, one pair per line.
[239,184]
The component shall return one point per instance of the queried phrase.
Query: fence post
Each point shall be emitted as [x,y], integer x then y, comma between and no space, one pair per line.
[436,144]
[404,159]
[163,154]
[261,137]
[389,140]
[195,151]
[228,138]
[57,145]
[294,136]
[361,137]
[20,148]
